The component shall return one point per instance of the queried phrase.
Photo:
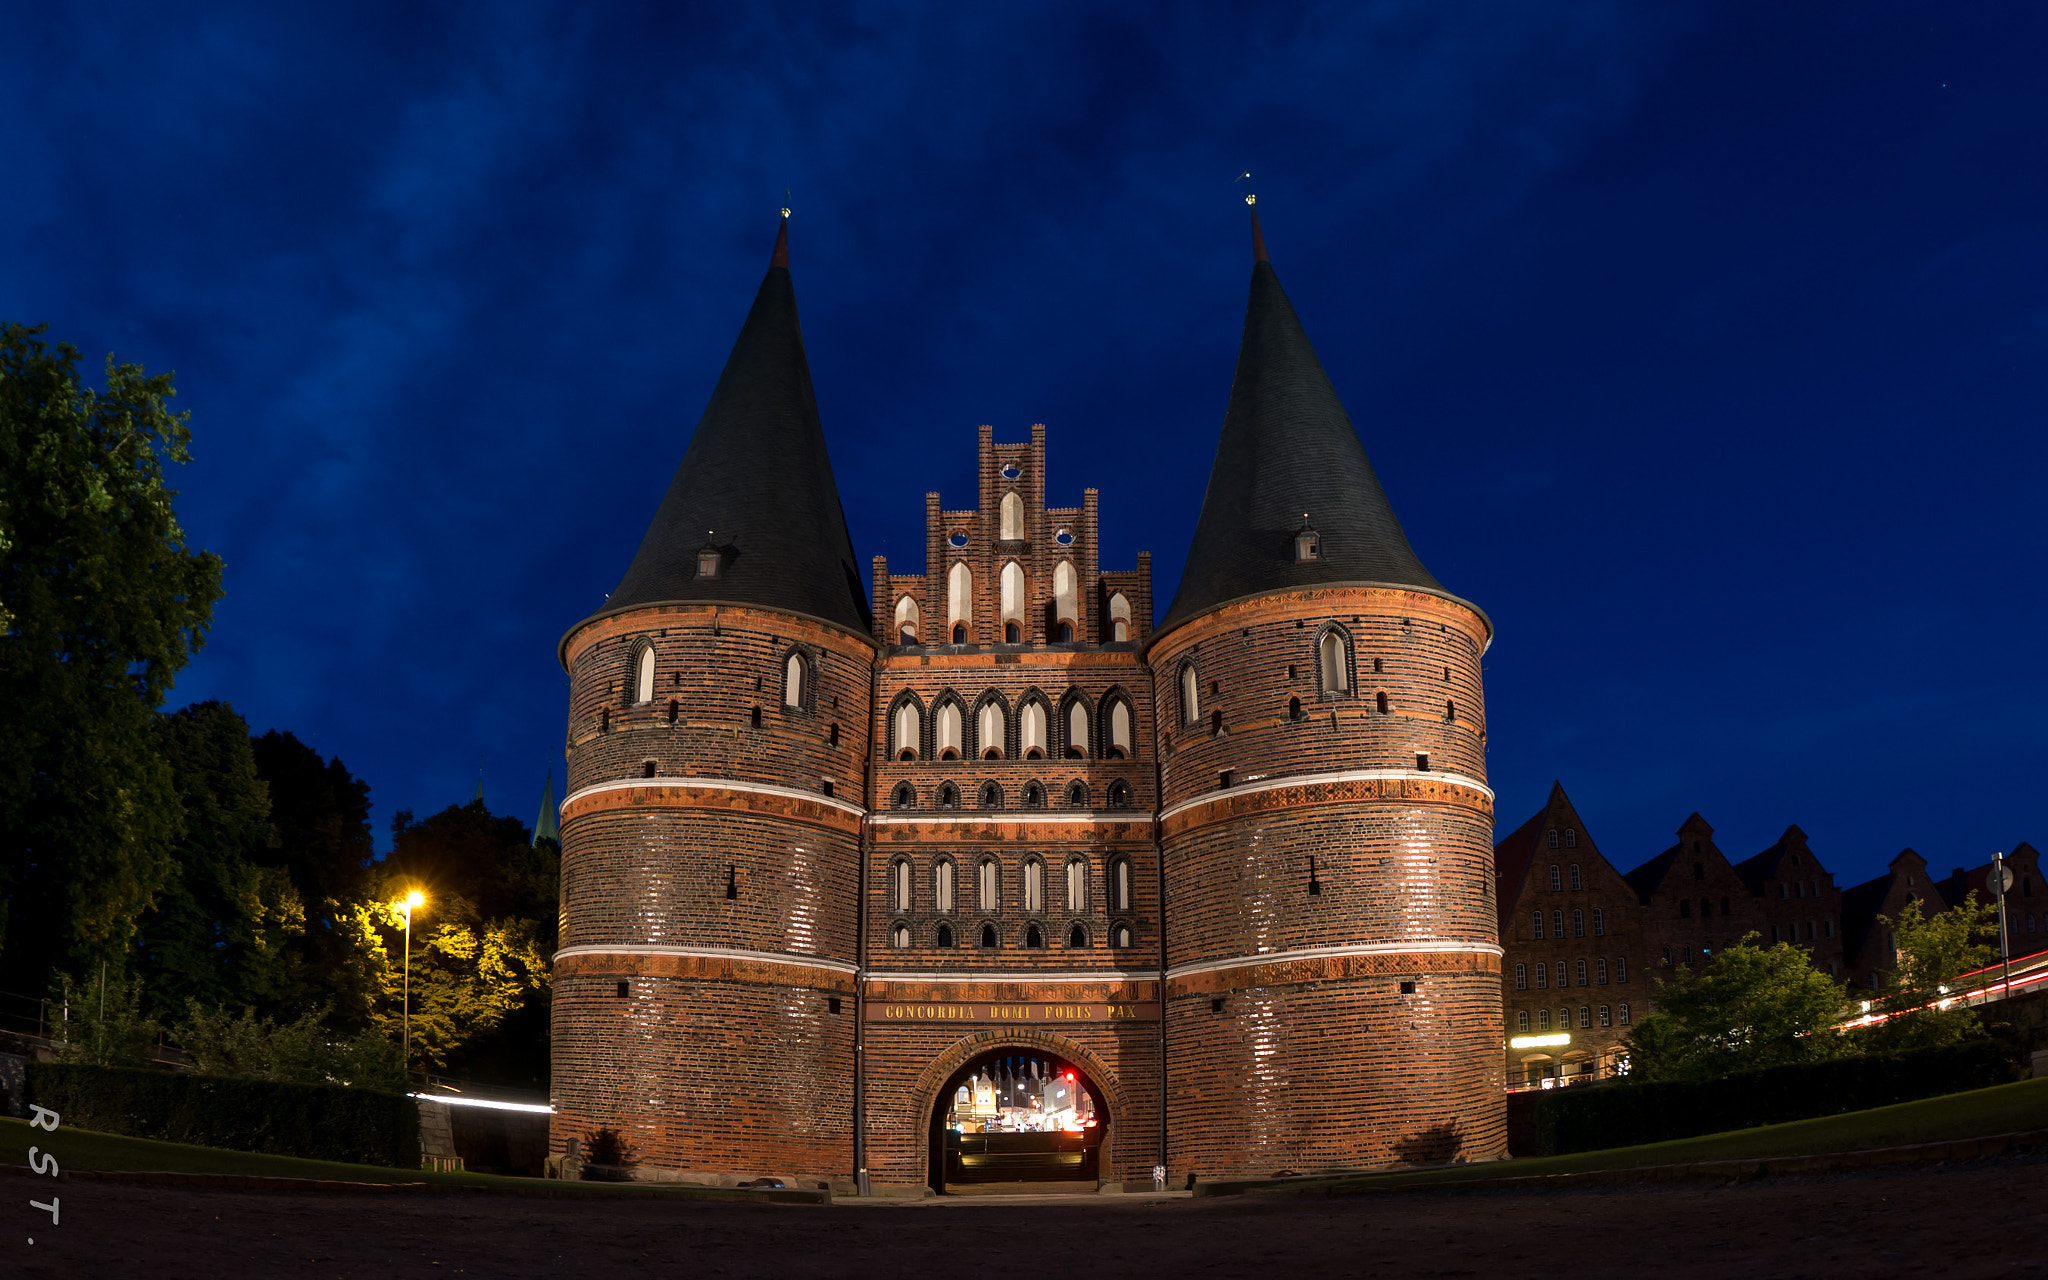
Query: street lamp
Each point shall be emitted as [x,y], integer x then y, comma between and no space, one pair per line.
[411,900]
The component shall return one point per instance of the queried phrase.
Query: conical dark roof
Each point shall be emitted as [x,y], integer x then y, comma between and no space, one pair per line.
[1288,450]
[756,484]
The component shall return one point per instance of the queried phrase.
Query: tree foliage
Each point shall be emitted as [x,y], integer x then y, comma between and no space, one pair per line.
[1752,1007]
[1933,950]
[102,605]
[304,1050]
[468,975]
[100,1020]
[221,929]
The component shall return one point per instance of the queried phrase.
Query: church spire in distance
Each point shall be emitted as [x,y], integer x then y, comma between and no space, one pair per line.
[1288,463]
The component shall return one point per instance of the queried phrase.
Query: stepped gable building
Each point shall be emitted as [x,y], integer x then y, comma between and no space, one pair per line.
[2024,902]
[1793,899]
[1869,948]
[991,881]
[1572,978]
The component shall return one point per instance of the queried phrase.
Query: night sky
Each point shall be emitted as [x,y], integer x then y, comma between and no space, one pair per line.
[1704,346]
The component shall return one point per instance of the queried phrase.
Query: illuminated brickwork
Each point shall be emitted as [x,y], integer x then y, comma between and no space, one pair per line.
[1350,840]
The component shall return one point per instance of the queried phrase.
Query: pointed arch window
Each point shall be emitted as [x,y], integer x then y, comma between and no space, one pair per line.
[1190,696]
[989,885]
[942,885]
[795,685]
[1077,885]
[1012,526]
[959,598]
[949,796]
[899,937]
[1012,583]
[906,621]
[945,937]
[643,673]
[990,726]
[946,743]
[1066,596]
[1120,935]
[1333,663]
[1034,796]
[1119,794]
[1119,746]
[1034,885]
[1077,794]
[1119,617]
[899,884]
[1077,730]
[1119,884]
[906,730]
[904,797]
[1031,730]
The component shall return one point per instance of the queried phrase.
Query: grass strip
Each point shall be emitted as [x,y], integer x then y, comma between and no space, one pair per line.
[1978,1113]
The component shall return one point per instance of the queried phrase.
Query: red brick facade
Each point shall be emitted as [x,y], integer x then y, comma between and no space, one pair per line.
[1358,1023]
[1237,874]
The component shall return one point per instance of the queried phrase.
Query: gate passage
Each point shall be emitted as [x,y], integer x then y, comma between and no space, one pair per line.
[1018,1117]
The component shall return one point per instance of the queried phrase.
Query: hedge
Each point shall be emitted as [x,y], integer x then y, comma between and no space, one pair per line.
[1622,1115]
[313,1121]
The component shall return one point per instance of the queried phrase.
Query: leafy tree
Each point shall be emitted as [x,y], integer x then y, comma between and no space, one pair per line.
[1932,952]
[100,1020]
[468,975]
[320,814]
[220,929]
[487,859]
[102,605]
[1752,1007]
[302,1051]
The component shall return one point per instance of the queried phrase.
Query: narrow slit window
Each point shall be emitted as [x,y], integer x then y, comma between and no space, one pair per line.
[1336,673]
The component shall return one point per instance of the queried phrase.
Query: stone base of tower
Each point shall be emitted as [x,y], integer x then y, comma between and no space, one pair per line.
[1312,1077]
[710,1076]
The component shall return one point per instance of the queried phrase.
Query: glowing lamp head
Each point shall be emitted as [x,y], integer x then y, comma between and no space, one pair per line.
[415,900]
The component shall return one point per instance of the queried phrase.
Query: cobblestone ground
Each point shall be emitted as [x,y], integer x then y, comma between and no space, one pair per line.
[1986,1218]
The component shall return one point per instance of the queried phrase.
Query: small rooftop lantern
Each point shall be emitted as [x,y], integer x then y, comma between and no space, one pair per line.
[1308,544]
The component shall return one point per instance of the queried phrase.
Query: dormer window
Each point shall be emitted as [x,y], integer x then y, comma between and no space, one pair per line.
[1308,544]
[707,562]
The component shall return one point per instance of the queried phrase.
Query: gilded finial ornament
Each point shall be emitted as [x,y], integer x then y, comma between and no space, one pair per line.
[1250,197]
[785,202]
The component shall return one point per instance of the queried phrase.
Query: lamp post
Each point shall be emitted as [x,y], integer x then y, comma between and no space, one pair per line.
[413,899]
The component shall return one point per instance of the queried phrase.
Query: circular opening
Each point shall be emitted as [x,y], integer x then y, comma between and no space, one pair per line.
[1011,472]
[1064,538]
[957,540]
[1017,1115]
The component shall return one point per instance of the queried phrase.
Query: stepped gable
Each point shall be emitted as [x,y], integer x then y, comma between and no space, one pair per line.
[1758,868]
[1512,854]
[757,485]
[1287,450]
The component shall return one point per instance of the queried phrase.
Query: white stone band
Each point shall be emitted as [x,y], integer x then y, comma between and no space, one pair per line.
[1319,953]
[1311,779]
[713,784]
[713,953]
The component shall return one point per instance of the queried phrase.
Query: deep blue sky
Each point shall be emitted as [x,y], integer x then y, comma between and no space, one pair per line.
[1706,347]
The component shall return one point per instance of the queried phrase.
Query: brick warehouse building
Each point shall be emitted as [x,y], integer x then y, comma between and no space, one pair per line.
[972,874]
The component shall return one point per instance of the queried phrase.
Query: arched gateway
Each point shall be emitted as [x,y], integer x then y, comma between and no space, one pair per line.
[1001,1107]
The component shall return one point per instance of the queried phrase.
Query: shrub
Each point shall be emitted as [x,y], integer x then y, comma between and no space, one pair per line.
[314,1121]
[1627,1114]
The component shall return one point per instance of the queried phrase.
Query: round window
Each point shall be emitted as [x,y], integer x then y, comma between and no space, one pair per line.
[957,540]
[1064,538]
[1011,473]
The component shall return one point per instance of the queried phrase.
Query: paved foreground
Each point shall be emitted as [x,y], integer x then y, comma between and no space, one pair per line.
[1983,1218]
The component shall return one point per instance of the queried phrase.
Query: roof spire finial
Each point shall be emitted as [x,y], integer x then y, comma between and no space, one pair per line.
[1251,198]
[780,258]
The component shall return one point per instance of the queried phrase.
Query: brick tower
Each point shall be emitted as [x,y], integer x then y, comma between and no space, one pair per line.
[718,731]
[1333,991]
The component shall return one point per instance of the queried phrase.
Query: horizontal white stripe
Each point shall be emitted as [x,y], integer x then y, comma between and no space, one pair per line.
[955,976]
[714,784]
[1317,953]
[993,816]
[713,953]
[1308,779]
[483,1102]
